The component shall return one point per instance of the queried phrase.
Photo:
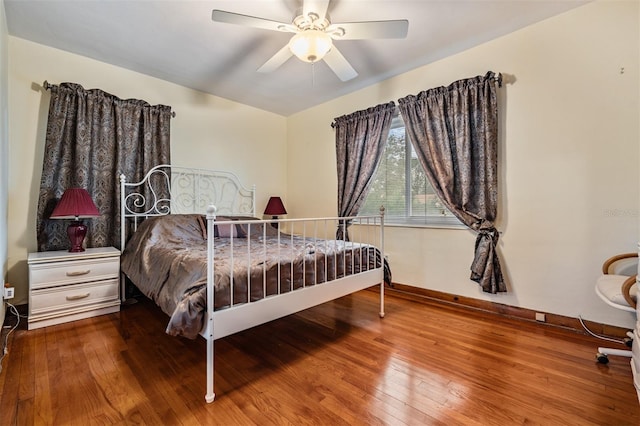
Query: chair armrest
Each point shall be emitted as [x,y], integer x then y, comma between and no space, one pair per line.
[626,287]
[607,263]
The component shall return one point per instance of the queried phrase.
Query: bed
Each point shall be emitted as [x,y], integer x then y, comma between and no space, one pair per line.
[192,243]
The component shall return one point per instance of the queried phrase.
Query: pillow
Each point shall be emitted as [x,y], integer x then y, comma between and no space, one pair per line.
[237,230]
[256,229]
[227,230]
[203,227]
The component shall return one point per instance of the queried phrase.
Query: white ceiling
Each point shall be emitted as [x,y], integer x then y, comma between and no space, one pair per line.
[177,41]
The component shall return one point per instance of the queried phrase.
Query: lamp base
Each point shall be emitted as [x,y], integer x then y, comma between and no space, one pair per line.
[76,232]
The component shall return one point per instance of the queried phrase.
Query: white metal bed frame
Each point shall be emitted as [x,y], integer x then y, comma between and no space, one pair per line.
[188,190]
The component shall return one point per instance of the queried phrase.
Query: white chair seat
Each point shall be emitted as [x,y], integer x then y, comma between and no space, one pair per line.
[608,287]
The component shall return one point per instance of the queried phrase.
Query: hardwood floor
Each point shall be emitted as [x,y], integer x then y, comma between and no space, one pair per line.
[338,363]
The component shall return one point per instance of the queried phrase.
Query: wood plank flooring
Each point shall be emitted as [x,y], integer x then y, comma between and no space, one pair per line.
[335,364]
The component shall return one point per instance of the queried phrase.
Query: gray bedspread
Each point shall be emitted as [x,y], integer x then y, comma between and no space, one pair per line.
[166,260]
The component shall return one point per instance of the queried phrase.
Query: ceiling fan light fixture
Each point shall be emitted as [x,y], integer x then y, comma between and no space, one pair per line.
[310,45]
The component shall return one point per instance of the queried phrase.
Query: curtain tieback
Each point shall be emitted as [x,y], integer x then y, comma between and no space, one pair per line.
[491,233]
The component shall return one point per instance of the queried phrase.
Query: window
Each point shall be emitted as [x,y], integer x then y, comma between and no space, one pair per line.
[401,185]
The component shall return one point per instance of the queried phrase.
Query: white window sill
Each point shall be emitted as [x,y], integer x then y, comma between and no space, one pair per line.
[417,224]
[424,225]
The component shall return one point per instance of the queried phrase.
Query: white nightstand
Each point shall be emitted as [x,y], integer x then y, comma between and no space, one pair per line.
[66,286]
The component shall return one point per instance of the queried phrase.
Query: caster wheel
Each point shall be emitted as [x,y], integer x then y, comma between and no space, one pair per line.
[602,358]
[628,342]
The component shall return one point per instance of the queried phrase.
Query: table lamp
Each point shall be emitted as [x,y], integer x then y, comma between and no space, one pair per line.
[76,204]
[275,207]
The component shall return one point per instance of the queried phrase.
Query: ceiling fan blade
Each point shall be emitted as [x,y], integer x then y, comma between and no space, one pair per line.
[368,29]
[340,65]
[251,21]
[319,7]
[276,60]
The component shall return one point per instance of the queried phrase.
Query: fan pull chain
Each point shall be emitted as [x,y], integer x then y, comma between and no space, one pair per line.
[313,74]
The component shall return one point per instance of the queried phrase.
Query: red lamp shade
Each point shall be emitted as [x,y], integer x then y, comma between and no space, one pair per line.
[76,204]
[275,207]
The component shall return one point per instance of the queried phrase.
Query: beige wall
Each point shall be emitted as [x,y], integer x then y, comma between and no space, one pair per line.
[208,132]
[569,150]
[4,149]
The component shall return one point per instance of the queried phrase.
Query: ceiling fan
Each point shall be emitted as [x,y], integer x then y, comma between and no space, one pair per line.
[314,35]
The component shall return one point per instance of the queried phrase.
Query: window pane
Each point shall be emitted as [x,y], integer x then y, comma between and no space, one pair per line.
[424,201]
[401,185]
[388,186]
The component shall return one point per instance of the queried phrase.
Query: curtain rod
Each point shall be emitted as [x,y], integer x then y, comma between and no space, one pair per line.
[46,85]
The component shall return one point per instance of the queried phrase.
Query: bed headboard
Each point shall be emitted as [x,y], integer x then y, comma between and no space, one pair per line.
[168,189]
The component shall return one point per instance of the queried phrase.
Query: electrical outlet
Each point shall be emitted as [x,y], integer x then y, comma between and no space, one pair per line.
[541,317]
[8,293]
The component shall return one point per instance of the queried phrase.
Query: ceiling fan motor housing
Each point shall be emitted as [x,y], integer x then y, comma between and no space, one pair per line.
[311,21]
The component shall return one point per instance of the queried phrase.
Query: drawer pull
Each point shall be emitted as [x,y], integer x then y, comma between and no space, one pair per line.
[78,273]
[78,297]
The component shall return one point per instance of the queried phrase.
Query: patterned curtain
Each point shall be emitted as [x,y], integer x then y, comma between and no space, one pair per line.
[454,131]
[93,137]
[360,140]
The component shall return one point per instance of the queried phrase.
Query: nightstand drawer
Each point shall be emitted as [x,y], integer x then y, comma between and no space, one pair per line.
[68,298]
[69,272]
